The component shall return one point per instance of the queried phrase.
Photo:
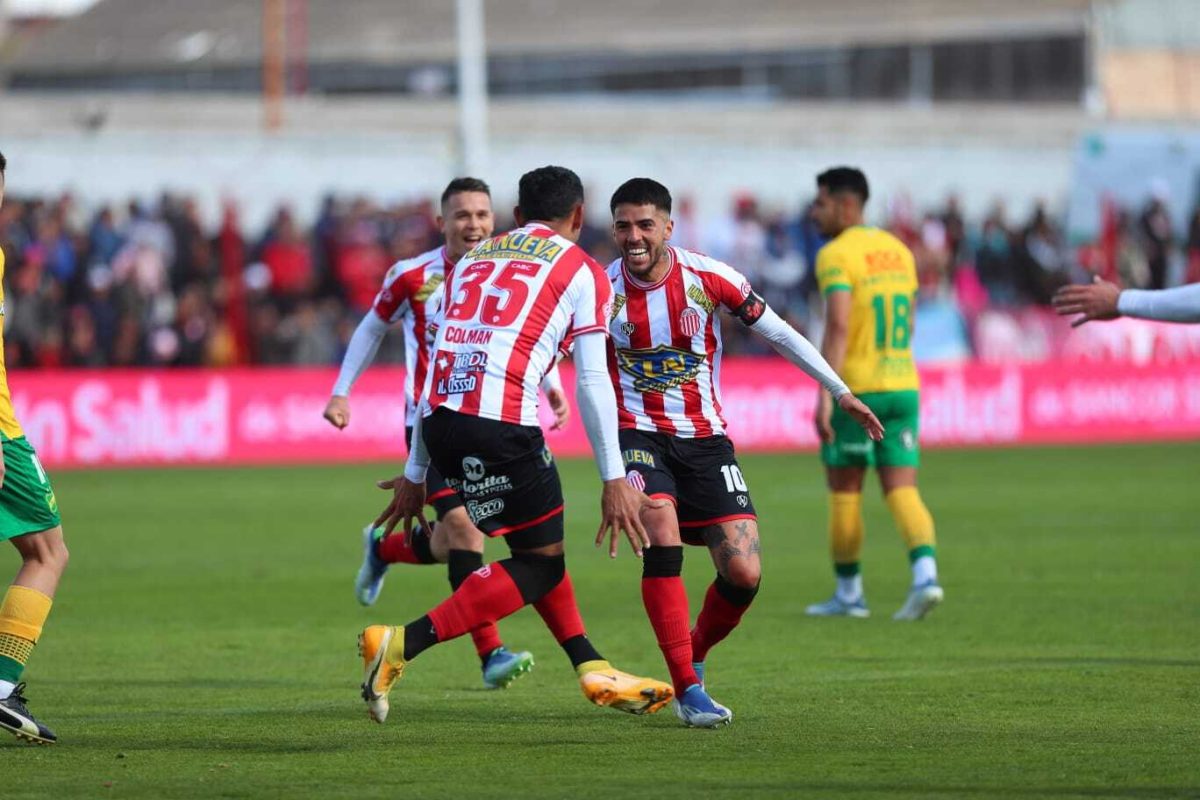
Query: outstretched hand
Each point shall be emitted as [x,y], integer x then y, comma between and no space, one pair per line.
[408,499]
[620,510]
[1097,300]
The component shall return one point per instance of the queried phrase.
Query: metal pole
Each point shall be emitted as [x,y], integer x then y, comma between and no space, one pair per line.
[472,89]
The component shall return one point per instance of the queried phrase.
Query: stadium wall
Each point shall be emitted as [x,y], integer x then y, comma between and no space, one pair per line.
[273,416]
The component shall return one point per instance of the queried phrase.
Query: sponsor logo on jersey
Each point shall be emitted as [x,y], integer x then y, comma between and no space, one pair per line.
[518,244]
[689,322]
[428,288]
[458,373]
[628,328]
[661,368]
[638,457]
[700,298]
[456,335]
[618,302]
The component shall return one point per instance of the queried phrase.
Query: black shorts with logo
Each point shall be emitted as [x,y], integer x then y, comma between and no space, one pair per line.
[504,474]
[438,493]
[700,476]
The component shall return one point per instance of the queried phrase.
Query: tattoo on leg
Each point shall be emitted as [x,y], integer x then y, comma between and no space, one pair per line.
[744,543]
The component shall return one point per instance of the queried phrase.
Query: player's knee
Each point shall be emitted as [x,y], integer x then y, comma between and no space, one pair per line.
[536,574]
[743,573]
[661,526]
[662,562]
[459,532]
[738,594]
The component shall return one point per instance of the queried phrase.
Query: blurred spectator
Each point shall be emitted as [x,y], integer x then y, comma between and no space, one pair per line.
[1155,225]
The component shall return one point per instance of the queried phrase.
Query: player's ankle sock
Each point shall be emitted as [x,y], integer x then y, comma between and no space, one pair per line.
[924,565]
[665,598]
[724,606]
[849,582]
[845,529]
[395,550]
[460,564]
[23,612]
[561,615]
[597,665]
[913,520]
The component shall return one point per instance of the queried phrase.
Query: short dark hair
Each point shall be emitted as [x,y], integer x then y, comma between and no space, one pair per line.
[549,193]
[641,192]
[3,164]
[845,179]
[460,185]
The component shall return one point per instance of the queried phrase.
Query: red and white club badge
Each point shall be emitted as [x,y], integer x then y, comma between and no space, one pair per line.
[689,322]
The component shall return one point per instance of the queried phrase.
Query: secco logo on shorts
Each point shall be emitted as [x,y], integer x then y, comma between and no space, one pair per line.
[473,468]
[479,511]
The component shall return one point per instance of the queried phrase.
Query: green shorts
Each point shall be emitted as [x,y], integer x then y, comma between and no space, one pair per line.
[27,503]
[899,413]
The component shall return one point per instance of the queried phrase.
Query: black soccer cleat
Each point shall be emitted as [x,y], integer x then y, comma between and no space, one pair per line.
[15,717]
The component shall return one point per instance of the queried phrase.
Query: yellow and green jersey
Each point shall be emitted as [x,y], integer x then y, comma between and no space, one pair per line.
[881,276]
[9,427]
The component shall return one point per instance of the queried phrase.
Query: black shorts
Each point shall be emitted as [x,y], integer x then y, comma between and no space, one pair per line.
[438,493]
[503,473]
[700,476]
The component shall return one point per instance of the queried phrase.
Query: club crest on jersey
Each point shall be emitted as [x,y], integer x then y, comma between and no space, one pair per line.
[689,322]
[659,369]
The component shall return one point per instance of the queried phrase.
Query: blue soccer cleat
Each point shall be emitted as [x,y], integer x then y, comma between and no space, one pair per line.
[369,581]
[836,607]
[697,710]
[504,666]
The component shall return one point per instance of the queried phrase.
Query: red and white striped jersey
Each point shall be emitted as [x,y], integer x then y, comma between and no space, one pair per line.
[411,294]
[665,357]
[509,305]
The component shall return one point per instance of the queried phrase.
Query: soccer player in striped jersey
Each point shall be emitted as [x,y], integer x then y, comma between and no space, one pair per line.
[410,297]
[869,281]
[665,360]
[510,303]
[29,519]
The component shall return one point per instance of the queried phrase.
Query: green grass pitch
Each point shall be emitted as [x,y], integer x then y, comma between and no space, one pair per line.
[202,645]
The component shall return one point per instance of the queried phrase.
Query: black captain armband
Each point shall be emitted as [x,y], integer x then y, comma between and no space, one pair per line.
[751,309]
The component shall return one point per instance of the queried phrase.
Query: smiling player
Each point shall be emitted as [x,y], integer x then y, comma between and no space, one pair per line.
[665,360]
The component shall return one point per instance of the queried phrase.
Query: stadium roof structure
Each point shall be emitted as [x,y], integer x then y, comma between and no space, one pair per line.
[129,36]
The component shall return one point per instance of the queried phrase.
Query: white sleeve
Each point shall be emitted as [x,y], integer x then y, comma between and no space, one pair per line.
[598,402]
[418,456]
[360,352]
[552,381]
[798,350]
[1181,304]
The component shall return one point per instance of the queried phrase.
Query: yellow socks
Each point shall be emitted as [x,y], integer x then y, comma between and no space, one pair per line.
[592,666]
[845,531]
[915,524]
[22,615]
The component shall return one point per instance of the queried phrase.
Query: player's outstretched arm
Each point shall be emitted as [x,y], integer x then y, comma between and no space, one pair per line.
[620,503]
[359,354]
[1102,300]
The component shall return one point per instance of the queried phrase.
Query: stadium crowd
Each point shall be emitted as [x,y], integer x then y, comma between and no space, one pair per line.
[151,284]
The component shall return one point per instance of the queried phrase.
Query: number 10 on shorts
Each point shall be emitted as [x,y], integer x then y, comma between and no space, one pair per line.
[734,482]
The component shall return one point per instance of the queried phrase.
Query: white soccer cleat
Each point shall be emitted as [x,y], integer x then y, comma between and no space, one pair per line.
[920,601]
